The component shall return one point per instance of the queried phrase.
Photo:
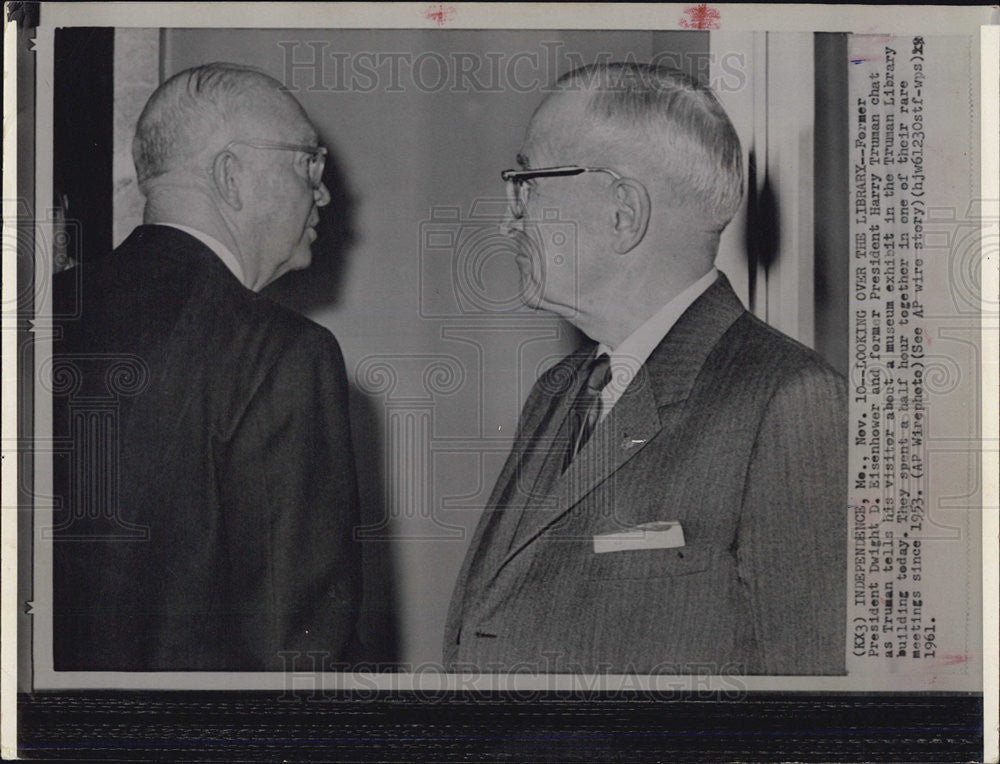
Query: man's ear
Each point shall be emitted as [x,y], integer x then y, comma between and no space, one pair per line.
[225,169]
[631,214]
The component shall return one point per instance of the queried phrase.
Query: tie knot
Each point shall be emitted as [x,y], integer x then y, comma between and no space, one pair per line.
[599,373]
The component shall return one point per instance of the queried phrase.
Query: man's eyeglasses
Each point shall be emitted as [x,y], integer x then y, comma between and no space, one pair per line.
[316,154]
[518,189]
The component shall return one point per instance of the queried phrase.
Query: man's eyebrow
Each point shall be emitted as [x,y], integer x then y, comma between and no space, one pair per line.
[522,162]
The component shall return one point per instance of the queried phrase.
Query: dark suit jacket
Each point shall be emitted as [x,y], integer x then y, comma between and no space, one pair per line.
[732,429]
[205,473]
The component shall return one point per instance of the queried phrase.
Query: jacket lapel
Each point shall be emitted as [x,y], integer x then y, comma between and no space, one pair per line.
[643,413]
[543,411]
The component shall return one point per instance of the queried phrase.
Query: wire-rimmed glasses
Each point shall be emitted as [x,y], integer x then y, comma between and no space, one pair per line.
[317,155]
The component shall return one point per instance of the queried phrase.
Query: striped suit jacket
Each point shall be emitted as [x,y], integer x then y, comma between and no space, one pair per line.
[732,429]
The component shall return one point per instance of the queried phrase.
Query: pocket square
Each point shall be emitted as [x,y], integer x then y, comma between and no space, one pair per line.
[657,535]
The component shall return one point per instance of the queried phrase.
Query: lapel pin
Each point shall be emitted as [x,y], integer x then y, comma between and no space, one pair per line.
[631,442]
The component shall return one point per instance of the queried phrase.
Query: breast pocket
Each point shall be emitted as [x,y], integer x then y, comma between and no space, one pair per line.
[639,564]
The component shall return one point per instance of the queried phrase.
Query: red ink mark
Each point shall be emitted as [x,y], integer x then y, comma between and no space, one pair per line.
[700,17]
[440,14]
[953,660]
[870,48]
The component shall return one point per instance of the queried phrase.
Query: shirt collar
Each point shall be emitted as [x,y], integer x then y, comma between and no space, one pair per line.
[631,354]
[221,250]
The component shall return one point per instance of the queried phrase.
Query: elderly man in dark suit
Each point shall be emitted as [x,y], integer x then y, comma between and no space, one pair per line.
[675,498]
[205,518]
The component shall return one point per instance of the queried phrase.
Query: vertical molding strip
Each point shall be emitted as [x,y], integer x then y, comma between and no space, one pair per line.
[761,144]
[41,610]
[8,403]
[789,121]
[764,80]
[989,61]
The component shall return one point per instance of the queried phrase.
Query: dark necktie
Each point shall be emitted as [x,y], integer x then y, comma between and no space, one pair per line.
[573,432]
[585,412]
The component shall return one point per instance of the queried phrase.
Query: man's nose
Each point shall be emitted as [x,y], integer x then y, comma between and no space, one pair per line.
[321,194]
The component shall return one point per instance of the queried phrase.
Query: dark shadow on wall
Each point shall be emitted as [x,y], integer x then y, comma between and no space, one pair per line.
[762,227]
[379,624]
[320,284]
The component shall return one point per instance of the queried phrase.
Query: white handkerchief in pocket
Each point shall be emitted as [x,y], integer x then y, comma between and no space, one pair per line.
[659,535]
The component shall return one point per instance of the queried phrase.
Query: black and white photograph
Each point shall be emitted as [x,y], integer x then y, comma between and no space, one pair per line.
[626,353]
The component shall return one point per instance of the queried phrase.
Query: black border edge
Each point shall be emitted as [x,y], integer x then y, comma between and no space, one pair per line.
[451,726]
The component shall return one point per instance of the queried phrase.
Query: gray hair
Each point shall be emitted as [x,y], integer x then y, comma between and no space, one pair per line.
[188,108]
[690,130]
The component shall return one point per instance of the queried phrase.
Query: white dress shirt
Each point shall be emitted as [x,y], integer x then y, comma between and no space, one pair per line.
[221,250]
[631,354]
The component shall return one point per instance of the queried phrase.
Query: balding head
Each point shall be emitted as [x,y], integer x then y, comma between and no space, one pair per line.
[200,110]
[659,120]
[223,149]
